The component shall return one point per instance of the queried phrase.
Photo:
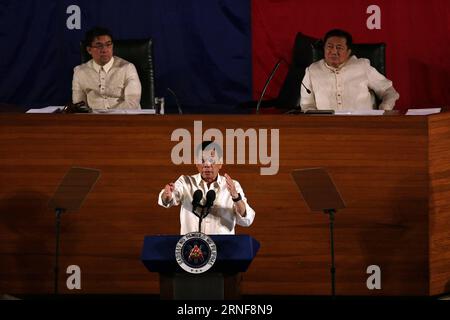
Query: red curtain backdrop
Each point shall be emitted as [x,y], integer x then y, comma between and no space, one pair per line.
[417,34]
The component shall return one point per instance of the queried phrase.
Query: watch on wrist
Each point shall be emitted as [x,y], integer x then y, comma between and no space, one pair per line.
[238,198]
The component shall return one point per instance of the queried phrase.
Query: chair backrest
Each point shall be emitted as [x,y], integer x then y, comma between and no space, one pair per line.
[302,57]
[307,50]
[140,53]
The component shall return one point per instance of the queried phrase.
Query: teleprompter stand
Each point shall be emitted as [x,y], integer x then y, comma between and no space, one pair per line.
[320,194]
[69,196]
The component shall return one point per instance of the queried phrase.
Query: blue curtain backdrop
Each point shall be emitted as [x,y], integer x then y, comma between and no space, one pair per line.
[202,48]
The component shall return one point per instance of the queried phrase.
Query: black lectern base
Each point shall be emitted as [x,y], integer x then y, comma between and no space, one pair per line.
[205,286]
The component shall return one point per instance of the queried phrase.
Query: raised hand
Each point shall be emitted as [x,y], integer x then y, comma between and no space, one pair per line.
[168,191]
[230,186]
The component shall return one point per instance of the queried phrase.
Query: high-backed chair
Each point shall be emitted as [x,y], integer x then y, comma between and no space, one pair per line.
[140,53]
[302,57]
[289,94]
[307,50]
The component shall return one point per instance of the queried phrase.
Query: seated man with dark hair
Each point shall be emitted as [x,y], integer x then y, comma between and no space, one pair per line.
[341,81]
[105,82]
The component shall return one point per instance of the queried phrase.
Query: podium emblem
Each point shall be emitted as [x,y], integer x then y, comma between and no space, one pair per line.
[195,252]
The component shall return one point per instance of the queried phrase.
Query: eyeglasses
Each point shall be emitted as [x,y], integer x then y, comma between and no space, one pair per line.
[101,46]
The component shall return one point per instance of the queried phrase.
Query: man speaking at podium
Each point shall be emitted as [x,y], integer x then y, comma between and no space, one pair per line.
[229,207]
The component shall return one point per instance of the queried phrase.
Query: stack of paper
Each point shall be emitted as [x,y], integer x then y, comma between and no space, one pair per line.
[360,113]
[50,109]
[422,112]
[126,111]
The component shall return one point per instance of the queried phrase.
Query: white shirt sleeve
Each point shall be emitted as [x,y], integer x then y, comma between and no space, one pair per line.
[250,213]
[78,94]
[132,92]
[383,88]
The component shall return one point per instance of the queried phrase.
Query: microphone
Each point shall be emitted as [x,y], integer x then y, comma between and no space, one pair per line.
[176,100]
[275,68]
[210,197]
[307,90]
[198,195]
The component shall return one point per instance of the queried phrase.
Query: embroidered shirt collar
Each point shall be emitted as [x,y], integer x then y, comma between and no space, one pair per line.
[349,60]
[106,67]
[220,180]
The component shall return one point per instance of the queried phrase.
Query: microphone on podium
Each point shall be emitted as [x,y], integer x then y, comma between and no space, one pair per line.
[307,90]
[197,196]
[272,73]
[210,197]
[176,100]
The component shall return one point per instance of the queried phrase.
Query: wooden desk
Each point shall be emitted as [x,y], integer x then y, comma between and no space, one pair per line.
[393,173]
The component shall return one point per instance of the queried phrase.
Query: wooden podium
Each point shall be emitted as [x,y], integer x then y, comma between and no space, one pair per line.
[392,171]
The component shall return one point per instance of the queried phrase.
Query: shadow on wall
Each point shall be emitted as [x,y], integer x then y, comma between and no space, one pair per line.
[397,243]
[27,246]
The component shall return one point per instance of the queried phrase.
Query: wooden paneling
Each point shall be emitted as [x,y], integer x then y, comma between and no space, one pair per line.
[380,165]
[439,224]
